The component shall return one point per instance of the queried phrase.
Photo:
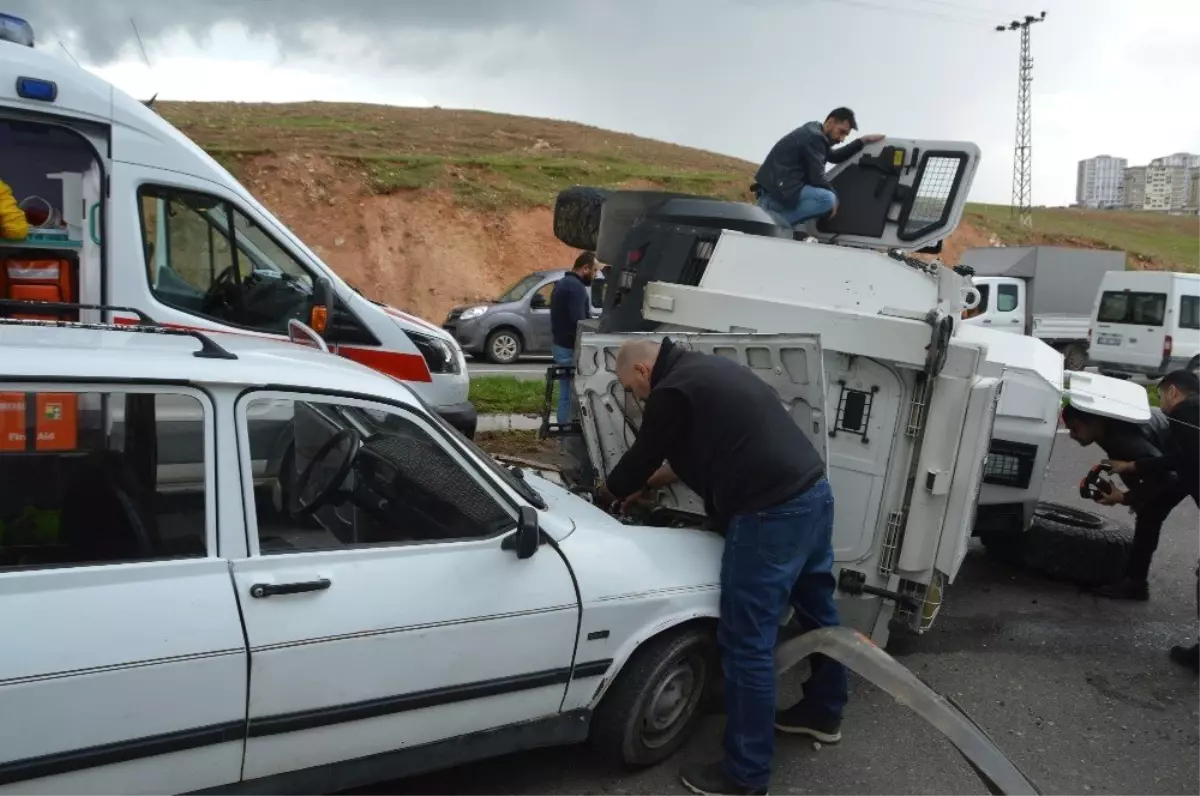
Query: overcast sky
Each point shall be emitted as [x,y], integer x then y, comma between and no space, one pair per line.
[1110,76]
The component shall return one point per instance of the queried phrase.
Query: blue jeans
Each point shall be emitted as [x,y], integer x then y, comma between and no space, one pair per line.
[563,356]
[812,202]
[773,557]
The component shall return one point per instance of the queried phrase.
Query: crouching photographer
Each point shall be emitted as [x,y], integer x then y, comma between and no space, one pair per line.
[1151,498]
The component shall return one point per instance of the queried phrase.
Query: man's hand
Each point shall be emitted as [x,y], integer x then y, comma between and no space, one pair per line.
[872,138]
[631,501]
[1121,468]
[604,499]
[1113,498]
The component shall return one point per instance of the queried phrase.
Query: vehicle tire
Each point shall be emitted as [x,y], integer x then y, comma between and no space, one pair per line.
[1075,357]
[577,216]
[503,346]
[1194,365]
[1070,544]
[657,698]
[620,213]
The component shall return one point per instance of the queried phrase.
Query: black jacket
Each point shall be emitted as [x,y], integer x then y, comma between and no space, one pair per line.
[1136,441]
[1182,454]
[569,303]
[724,432]
[799,159]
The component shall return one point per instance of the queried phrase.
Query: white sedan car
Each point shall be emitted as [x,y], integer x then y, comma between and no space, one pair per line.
[169,625]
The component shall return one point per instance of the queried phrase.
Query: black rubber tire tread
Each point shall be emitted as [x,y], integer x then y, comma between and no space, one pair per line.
[620,213]
[614,730]
[1088,556]
[1194,365]
[577,216]
[487,346]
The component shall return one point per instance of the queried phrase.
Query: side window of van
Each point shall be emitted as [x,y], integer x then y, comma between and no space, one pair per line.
[204,256]
[1189,312]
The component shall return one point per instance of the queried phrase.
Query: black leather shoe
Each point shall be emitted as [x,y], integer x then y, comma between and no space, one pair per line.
[711,780]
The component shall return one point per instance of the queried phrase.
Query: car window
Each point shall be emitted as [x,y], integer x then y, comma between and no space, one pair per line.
[1006,298]
[207,257]
[1130,307]
[337,475]
[1189,312]
[542,297]
[92,478]
[518,291]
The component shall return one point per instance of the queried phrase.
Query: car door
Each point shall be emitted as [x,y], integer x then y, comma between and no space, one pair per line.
[393,616]
[899,193]
[539,316]
[124,663]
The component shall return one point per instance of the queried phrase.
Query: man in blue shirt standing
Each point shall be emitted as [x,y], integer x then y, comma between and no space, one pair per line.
[791,181]
[569,304]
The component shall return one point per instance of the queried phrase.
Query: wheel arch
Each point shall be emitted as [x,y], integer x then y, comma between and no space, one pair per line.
[695,616]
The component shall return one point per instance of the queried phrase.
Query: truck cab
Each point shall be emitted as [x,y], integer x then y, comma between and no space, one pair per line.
[125,211]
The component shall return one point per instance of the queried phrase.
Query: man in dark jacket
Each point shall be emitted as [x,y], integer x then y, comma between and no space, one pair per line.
[791,181]
[569,302]
[1152,499]
[723,432]
[1179,398]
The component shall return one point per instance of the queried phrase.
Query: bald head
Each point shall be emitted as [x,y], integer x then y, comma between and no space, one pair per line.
[635,363]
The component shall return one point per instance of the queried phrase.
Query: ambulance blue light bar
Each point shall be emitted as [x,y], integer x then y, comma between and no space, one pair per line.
[16,30]
[34,89]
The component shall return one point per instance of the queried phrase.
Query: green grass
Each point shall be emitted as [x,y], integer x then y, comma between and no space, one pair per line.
[505,395]
[492,182]
[1151,240]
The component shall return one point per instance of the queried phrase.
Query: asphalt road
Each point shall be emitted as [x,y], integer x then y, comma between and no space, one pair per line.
[1077,690]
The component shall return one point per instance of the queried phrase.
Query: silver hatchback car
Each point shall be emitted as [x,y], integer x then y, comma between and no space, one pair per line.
[516,323]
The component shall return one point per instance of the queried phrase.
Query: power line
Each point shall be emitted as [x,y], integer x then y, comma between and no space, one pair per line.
[1022,186]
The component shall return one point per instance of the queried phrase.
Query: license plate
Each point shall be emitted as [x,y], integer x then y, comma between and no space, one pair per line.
[1108,339]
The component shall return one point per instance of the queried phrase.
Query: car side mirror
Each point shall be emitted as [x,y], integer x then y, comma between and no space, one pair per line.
[322,306]
[528,536]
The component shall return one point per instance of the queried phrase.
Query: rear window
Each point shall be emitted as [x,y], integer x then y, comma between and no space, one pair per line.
[1139,309]
[1189,312]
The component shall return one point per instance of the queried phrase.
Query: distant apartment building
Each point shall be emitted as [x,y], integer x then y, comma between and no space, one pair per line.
[1099,181]
[1134,188]
[1193,199]
[1185,159]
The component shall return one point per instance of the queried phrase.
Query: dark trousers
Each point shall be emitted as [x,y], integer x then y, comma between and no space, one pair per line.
[773,557]
[1146,530]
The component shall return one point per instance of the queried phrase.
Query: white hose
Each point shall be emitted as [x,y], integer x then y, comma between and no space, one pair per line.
[53,215]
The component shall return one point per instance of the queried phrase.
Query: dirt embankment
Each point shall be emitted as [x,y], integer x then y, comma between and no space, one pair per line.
[418,251]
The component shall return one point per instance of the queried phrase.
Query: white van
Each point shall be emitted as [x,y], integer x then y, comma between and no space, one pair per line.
[138,216]
[1146,323]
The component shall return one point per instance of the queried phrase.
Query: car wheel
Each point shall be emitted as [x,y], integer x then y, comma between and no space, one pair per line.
[1075,545]
[503,346]
[1194,365]
[655,702]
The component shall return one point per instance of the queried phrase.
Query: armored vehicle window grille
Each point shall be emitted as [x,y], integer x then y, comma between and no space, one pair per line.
[935,190]
[1010,464]
[693,269]
[854,411]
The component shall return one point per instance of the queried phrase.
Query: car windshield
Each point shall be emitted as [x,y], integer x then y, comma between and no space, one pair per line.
[518,291]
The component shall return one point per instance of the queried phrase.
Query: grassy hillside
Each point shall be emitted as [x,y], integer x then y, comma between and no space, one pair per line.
[488,160]
[495,162]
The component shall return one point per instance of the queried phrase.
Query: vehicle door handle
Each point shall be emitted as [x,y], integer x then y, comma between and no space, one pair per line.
[989,320]
[259,590]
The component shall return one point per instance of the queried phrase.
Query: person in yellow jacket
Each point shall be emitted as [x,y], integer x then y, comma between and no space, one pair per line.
[13,224]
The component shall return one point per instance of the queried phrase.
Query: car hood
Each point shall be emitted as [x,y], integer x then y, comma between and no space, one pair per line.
[613,560]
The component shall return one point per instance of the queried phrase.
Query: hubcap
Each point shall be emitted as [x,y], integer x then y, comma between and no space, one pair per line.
[670,703]
[505,347]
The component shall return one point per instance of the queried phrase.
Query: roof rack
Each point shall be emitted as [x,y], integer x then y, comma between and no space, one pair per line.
[63,306]
[208,348]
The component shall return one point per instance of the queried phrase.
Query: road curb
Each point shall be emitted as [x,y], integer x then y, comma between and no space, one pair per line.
[508,423]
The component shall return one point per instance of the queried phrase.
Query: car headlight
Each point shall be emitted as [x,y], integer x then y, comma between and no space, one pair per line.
[439,355]
[472,312]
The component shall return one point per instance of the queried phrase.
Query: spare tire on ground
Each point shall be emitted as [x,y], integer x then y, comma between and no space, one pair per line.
[577,216]
[1067,543]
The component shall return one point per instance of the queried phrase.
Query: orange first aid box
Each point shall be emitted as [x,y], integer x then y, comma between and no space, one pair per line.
[55,421]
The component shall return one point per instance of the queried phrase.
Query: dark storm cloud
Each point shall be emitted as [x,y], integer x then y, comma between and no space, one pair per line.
[100,29]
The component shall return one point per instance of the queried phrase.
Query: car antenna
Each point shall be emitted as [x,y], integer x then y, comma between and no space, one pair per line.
[68,52]
[150,102]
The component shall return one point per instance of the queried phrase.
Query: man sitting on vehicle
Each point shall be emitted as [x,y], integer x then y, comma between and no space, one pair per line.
[1151,499]
[791,181]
